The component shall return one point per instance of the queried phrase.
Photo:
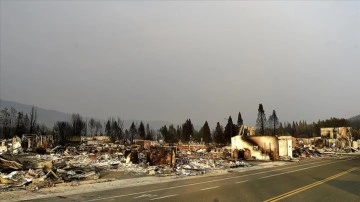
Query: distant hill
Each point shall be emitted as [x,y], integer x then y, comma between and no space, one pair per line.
[355,118]
[45,116]
[49,117]
[355,122]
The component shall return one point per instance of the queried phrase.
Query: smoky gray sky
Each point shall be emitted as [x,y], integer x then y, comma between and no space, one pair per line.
[173,60]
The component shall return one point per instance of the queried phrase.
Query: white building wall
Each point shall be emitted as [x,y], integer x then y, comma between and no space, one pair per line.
[285,146]
[238,143]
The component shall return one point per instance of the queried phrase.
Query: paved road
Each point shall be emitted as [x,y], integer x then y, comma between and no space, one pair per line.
[315,180]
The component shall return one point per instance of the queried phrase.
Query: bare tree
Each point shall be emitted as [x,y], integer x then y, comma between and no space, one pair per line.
[5,122]
[92,125]
[273,122]
[121,127]
[78,125]
[33,119]
[133,132]
[12,123]
[62,131]
[98,127]
[43,130]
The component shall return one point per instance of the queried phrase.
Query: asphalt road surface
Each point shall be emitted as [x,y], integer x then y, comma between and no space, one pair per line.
[313,180]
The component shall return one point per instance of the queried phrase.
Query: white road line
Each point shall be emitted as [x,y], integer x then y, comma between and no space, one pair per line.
[205,182]
[241,182]
[144,195]
[163,197]
[209,188]
[294,170]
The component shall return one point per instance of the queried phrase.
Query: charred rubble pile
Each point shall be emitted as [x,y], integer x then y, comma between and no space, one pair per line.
[33,171]
[321,151]
[306,152]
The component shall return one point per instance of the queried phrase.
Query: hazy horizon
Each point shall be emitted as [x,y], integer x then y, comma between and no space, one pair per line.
[170,61]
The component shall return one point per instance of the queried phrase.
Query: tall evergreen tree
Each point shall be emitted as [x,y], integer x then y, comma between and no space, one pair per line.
[230,131]
[206,134]
[293,129]
[190,128]
[261,119]
[273,122]
[108,130]
[126,135]
[281,129]
[165,133]
[149,133]
[196,136]
[219,134]
[240,121]
[171,134]
[141,131]
[178,133]
[187,131]
[115,131]
[132,132]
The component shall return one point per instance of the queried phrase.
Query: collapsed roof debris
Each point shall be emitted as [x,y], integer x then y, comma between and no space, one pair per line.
[60,165]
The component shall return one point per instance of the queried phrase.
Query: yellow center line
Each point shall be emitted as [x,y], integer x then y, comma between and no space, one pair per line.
[290,193]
